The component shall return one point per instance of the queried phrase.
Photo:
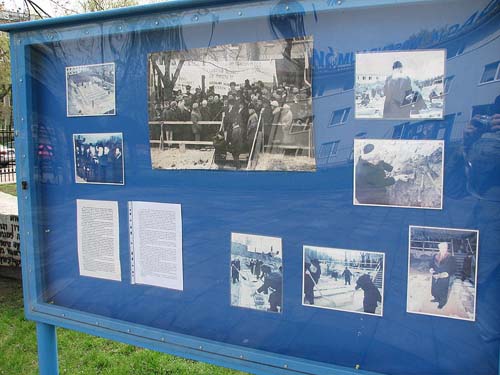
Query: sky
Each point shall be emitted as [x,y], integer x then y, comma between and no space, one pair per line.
[48,5]
[51,7]
[339,254]
[417,64]
[259,243]
[99,137]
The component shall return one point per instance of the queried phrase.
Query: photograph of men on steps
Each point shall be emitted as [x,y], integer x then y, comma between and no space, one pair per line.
[244,106]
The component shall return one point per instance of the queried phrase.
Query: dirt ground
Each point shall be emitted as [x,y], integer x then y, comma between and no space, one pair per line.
[278,162]
[9,285]
[174,158]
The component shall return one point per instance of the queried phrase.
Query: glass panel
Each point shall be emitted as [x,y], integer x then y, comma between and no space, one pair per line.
[490,72]
[447,84]
[104,127]
[325,150]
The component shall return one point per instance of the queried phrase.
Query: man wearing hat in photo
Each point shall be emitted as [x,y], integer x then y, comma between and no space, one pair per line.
[231,116]
[172,112]
[276,110]
[236,143]
[293,101]
[267,119]
[373,177]
[183,113]
[312,273]
[286,117]
[273,283]
[217,109]
[232,89]
[205,110]
[396,88]
[195,119]
[198,95]
[252,123]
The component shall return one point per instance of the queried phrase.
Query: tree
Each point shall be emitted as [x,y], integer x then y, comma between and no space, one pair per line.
[5,82]
[98,5]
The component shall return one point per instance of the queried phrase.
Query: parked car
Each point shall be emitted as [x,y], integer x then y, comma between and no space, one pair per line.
[7,156]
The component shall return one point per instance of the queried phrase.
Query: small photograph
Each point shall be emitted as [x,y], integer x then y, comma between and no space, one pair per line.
[398,173]
[244,106]
[442,272]
[256,272]
[90,90]
[341,279]
[400,85]
[98,158]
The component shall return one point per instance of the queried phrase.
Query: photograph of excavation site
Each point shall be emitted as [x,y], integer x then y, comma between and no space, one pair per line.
[244,106]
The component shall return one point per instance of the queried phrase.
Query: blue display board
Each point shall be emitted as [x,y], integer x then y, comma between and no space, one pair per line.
[317,208]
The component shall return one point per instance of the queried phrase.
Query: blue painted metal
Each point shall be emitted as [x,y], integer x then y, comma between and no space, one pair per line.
[177,5]
[25,150]
[238,358]
[47,349]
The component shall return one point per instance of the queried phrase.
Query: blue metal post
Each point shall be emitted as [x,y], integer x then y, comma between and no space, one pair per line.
[47,349]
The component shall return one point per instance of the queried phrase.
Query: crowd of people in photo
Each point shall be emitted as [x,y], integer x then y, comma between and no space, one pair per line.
[101,162]
[239,111]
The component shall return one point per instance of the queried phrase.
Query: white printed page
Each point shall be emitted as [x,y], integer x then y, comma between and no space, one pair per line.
[98,239]
[156,244]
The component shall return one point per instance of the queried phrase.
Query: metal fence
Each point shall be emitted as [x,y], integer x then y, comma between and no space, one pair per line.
[7,157]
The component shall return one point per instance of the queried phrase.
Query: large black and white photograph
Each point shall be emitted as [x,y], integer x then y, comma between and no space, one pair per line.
[90,90]
[398,173]
[400,85]
[342,279]
[244,106]
[99,158]
[442,272]
[256,272]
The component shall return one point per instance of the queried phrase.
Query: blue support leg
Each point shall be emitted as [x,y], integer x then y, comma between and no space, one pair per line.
[47,349]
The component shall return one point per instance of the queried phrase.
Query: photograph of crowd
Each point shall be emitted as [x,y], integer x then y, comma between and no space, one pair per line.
[98,158]
[398,173]
[442,272]
[256,272]
[400,85]
[244,106]
[341,279]
[90,90]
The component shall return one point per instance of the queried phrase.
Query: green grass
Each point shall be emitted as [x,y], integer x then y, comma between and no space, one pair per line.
[9,189]
[80,353]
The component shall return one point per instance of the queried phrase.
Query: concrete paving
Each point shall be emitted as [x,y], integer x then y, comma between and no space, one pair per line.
[8,207]
[8,204]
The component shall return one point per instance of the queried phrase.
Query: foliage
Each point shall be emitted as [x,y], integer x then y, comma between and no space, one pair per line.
[5,83]
[4,62]
[80,353]
[97,5]
[4,65]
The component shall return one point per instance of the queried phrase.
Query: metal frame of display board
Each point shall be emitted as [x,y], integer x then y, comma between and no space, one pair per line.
[48,316]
